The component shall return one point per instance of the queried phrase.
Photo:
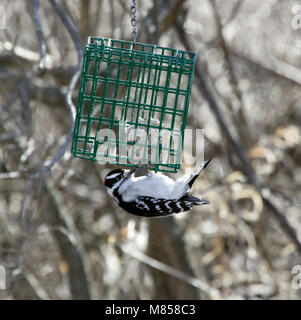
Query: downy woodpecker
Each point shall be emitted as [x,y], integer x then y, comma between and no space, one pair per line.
[154,194]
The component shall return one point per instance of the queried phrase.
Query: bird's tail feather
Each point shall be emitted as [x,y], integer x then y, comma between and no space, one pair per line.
[201,168]
[194,200]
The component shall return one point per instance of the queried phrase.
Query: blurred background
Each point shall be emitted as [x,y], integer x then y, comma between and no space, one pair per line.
[62,237]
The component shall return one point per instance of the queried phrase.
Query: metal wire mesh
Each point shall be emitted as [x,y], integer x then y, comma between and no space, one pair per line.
[133,104]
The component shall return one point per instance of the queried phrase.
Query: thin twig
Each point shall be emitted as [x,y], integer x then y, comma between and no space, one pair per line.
[24,225]
[171,271]
[25,103]
[10,175]
[112,18]
[78,48]
[235,11]
[39,34]
[172,15]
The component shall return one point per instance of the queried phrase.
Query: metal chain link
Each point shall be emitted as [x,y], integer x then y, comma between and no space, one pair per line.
[134,20]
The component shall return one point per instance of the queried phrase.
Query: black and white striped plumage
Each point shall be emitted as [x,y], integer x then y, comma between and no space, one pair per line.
[154,195]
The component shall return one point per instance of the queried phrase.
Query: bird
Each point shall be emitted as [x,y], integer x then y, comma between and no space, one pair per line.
[153,194]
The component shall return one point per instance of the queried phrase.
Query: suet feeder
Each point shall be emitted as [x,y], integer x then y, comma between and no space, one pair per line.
[133,104]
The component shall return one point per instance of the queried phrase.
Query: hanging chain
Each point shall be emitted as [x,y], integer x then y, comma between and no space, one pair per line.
[134,20]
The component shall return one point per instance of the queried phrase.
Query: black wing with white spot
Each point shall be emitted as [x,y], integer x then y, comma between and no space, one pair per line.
[151,207]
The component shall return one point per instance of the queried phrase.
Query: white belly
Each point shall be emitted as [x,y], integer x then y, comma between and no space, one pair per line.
[156,185]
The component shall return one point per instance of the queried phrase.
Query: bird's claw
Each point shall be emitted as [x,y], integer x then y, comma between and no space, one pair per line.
[142,168]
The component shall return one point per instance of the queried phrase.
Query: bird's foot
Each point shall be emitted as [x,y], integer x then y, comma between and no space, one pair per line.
[142,169]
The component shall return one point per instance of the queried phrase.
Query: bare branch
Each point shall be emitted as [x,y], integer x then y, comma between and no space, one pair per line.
[69,243]
[236,146]
[238,116]
[202,86]
[68,96]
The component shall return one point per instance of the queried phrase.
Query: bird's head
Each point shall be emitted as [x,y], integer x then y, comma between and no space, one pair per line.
[113,177]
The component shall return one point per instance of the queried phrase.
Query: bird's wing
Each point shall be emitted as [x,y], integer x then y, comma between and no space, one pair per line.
[152,207]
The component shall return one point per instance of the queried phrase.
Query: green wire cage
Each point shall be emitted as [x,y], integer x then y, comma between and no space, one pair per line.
[133,104]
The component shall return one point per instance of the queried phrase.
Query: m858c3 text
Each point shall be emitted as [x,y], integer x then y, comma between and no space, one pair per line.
[172,309]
